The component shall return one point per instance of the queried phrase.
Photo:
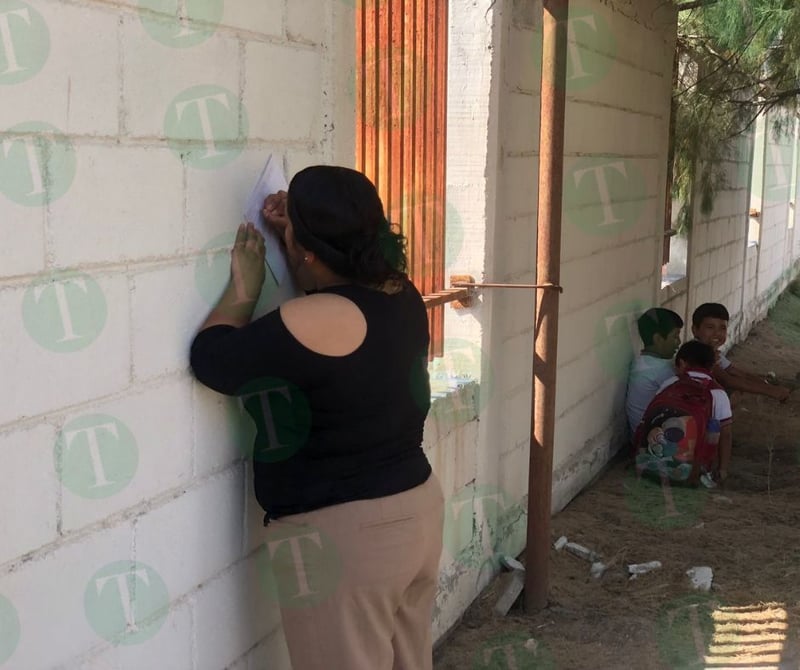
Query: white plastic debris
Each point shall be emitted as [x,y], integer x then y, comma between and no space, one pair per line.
[511,563]
[701,577]
[532,645]
[581,552]
[636,569]
[560,543]
[515,585]
[598,569]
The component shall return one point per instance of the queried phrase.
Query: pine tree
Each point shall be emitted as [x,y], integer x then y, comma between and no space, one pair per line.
[735,60]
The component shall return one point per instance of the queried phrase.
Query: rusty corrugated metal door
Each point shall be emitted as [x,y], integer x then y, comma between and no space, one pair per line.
[401,119]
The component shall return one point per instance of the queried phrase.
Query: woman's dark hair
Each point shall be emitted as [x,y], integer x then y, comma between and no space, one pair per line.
[337,213]
[657,321]
[696,354]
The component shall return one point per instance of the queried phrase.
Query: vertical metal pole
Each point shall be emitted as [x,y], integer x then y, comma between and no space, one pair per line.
[548,261]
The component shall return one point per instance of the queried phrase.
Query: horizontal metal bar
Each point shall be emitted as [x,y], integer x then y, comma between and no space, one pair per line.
[670,233]
[490,285]
[448,295]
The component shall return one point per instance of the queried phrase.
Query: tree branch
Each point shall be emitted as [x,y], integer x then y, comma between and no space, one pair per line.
[696,4]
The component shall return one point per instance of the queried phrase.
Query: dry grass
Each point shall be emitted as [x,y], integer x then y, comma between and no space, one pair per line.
[749,533]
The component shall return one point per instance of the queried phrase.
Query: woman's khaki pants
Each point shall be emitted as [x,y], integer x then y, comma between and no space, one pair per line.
[356,582]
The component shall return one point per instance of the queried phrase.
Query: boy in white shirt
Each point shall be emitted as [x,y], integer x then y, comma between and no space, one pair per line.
[710,325]
[660,330]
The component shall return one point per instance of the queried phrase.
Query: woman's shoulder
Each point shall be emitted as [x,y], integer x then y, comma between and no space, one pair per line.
[325,323]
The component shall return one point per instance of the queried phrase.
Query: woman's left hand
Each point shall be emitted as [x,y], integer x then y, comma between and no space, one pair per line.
[247,264]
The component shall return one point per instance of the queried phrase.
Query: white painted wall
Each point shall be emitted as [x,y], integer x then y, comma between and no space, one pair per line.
[111,452]
[103,232]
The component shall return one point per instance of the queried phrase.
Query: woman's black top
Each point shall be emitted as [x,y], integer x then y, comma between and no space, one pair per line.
[330,429]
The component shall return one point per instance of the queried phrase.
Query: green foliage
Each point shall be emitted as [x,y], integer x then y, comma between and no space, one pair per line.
[736,60]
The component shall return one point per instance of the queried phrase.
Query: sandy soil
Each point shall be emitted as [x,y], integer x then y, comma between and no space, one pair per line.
[748,533]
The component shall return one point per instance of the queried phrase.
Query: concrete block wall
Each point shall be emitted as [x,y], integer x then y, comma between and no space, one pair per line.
[618,92]
[131,133]
[723,266]
[717,246]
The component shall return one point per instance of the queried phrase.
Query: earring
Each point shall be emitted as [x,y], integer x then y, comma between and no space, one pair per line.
[305,259]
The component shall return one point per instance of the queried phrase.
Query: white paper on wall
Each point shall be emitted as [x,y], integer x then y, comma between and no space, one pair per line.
[272,180]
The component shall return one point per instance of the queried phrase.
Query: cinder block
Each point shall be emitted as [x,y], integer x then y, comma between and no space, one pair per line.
[170,647]
[65,342]
[223,431]
[285,105]
[522,71]
[305,22]
[600,130]
[21,238]
[74,84]
[264,17]
[49,591]
[231,615]
[214,62]
[167,311]
[520,186]
[152,457]
[125,203]
[516,362]
[255,531]
[204,527]
[521,129]
[28,475]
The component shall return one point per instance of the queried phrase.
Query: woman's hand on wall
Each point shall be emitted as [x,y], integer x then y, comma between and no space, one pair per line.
[247,264]
[235,307]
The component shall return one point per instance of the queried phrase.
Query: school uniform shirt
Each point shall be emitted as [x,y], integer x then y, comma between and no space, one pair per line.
[647,374]
[721,409]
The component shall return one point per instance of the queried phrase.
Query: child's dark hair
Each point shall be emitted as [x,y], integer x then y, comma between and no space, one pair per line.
[657,321]
[696,355]
[710,310]
[337,213]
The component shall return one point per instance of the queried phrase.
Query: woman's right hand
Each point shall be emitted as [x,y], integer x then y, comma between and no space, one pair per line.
[275,214]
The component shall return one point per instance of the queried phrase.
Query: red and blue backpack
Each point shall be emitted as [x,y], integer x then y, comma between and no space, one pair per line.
[673,434]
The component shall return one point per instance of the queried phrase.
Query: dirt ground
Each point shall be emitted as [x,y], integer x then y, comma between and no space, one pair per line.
[748,533]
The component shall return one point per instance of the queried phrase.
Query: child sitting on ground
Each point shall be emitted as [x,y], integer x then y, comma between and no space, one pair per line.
[685,433]
[710,326]
[660,330]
